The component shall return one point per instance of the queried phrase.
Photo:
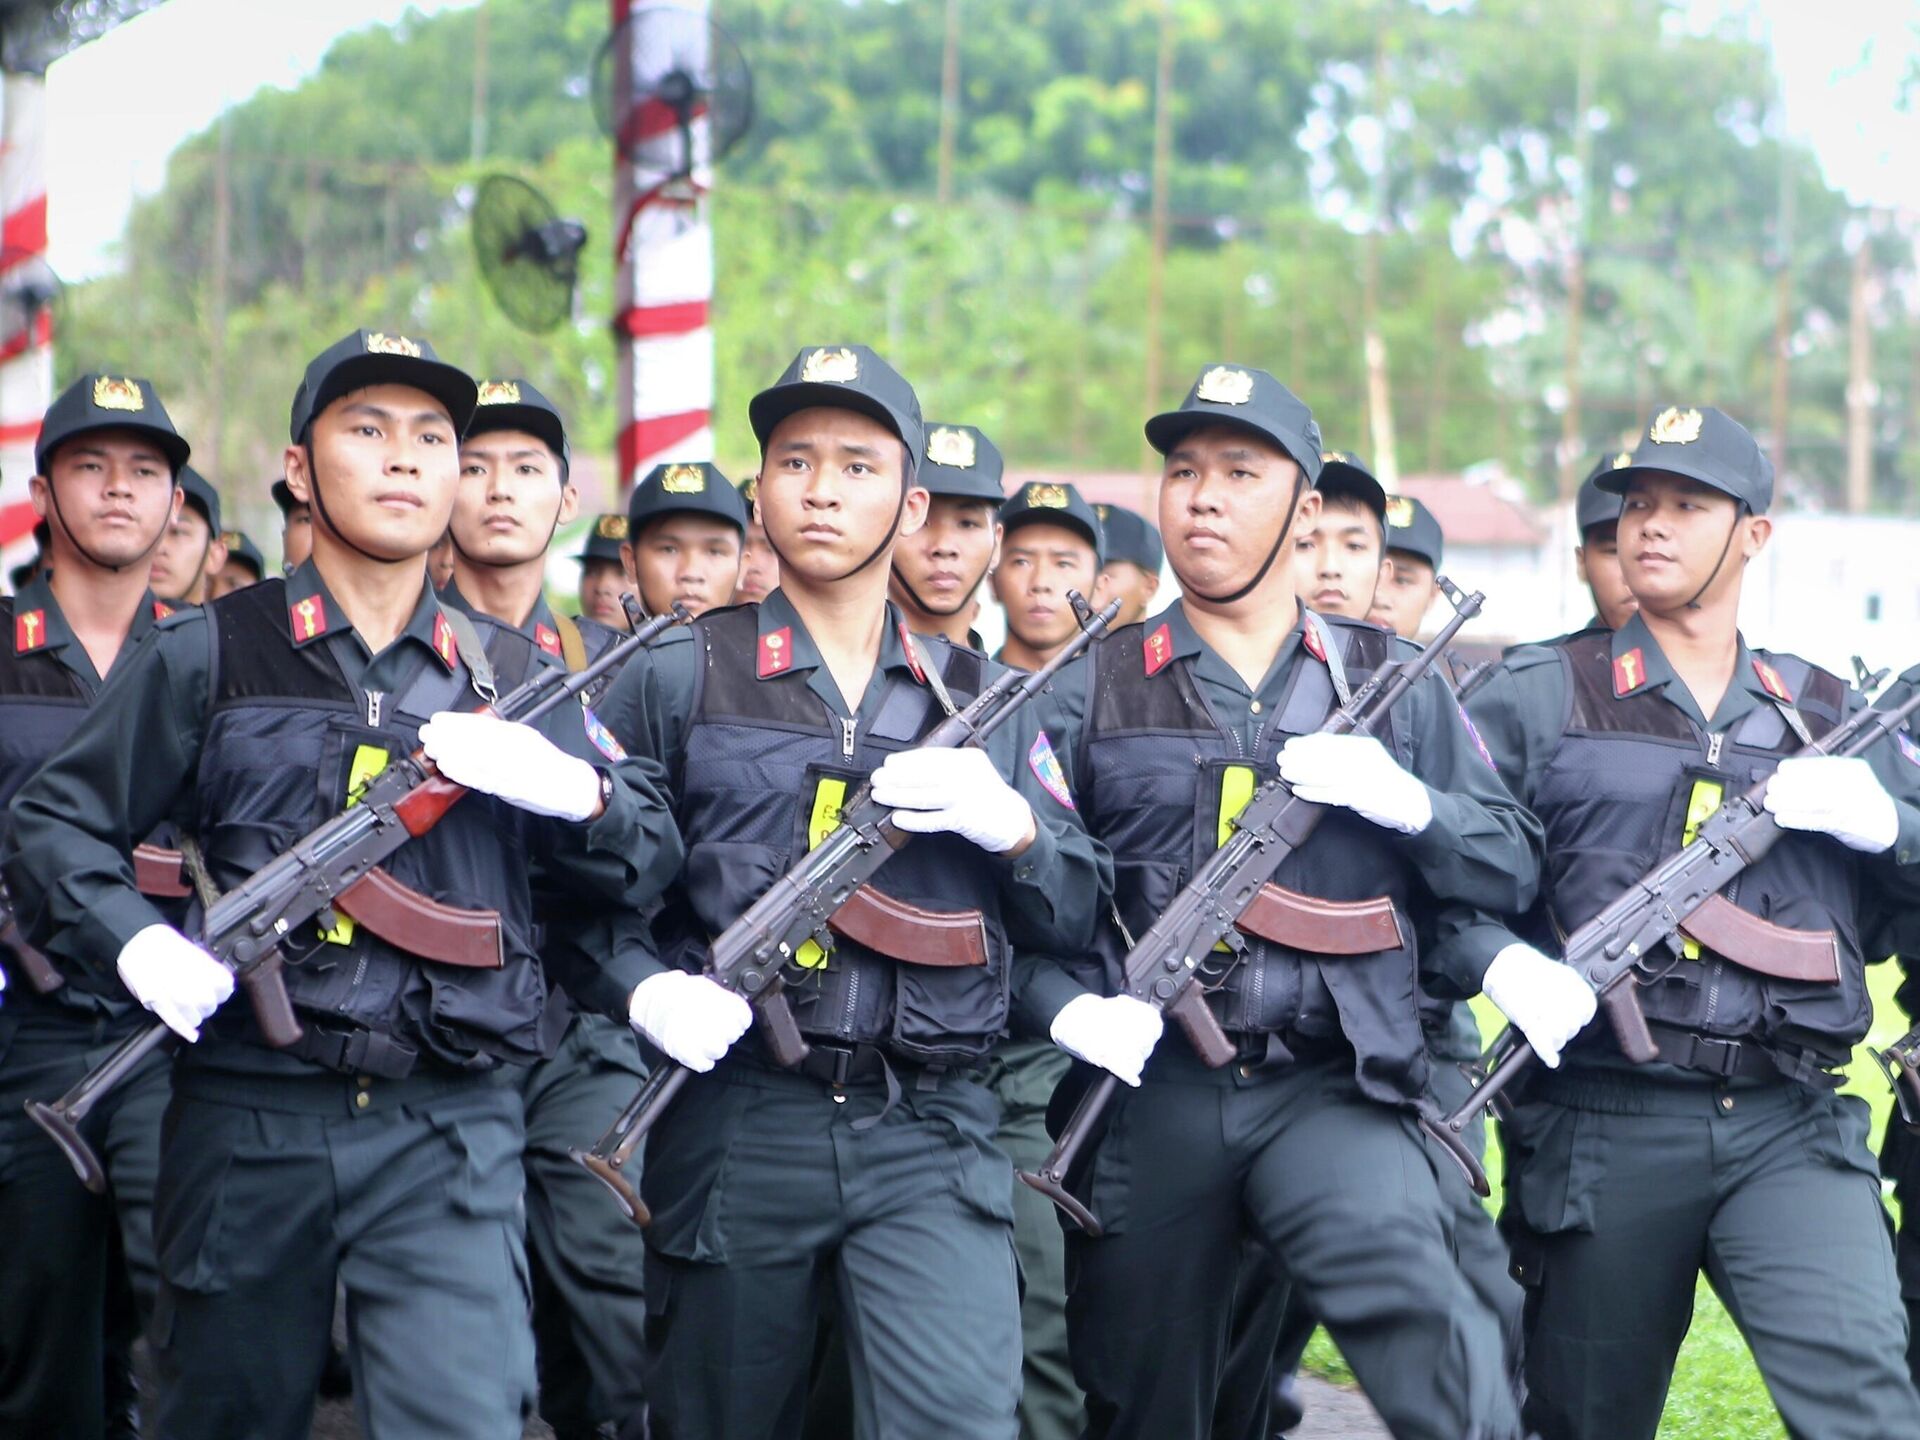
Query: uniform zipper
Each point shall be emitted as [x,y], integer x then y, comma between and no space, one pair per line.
[1715,971]
[846,738]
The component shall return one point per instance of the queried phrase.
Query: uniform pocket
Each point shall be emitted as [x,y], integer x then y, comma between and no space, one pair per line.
[486,1178]
[1556,1158]
[204,1152]
[688,1162]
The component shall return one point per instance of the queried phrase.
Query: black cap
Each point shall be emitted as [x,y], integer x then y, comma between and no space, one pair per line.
[516,405]
[962,464]
[1594,506]
[1344,473]
[240,548]
[841,377]
[109,402]
[201,496]
[695,487]
[1412,528]
[603,540]
[22,573]
[1232,395]
[1705,445]
[1046,502]
[1130,537]
[379,357]
[283,497]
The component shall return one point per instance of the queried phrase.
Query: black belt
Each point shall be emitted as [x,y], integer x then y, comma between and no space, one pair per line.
[355,1052]
[1275,1049]
[843,1064]
[1728,1059]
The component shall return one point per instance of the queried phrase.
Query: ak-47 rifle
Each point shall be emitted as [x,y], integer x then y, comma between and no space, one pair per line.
[1228,892]
[1468,679]
[750,956]
[245,927]
[1866,679]
[1682,897]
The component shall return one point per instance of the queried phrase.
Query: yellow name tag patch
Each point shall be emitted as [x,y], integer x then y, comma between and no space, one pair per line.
[1706,797]
[829,798]
[368,761]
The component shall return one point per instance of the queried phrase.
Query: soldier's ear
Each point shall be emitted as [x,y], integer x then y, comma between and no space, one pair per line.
[293,465]
[1759,530]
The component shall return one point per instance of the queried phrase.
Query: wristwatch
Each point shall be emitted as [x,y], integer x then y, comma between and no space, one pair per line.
[606,791]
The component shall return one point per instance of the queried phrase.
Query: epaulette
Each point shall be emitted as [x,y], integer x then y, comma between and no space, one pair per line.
[1532,653]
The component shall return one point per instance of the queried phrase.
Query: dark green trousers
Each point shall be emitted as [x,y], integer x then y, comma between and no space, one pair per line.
[1194,1165]
[1622,1188]
[1022,1075]
[769,1190]
[72,1257]
[1900,1163]
[269,1190]
[588,1263]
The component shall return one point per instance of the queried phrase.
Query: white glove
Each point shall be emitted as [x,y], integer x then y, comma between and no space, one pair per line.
[1115,1032]
[954,790]
[174,978]
[513,761]
[689,1017]
[1548,1001]
[1355,771]
[1832,795]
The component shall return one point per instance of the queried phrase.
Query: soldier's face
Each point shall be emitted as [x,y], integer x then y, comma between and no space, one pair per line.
[1131,585]
[187,557]
[1039,563]
[296,536]
[938,568]
[759,567]
[234,575]
[115,495]
[440,561]
[600,584]
[1598,559]
[683,556]
[511,498]
[1226,497]
[386,462]
[1684,543]
[1336,565]
[1406,591]
[829,494]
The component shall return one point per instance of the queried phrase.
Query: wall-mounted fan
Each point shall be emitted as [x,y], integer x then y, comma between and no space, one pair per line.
[529,257]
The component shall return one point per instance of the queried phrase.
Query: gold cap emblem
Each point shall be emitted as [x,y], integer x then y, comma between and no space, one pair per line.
[684,480]
[1399,511]
[1622,460]
[379,344]
[835,367]
[499,392]
[611,527]
[112,394]
[1674,426]
[1047,497]
[231,539]
[1223,385]
[1105,512]
[955,448]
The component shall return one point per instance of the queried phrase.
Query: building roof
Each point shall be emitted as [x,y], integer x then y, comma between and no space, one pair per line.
[1478,508]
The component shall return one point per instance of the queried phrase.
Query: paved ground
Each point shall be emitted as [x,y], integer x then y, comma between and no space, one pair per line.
[1336,1414]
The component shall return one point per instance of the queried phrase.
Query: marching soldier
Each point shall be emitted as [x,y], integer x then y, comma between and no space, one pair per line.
[194,548]
[245,565]
[1049,544]
[1307,1146]
[1339,561]
[1596,514]
[380,1147]
[1134,557]
[589,1314]
[601,576]
[872,1170]
[759,566]
[685,528]
[1411,578]
[296,527]
[1732,1153]
[107,462]
[939,568]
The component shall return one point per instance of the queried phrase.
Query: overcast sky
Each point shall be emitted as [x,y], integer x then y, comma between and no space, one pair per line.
[118,107]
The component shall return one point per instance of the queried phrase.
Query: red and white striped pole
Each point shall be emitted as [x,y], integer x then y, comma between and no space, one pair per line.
[663,264]
[26,359]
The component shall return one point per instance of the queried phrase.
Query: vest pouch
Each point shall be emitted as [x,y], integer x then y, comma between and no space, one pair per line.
[947,1014]
[1262,993]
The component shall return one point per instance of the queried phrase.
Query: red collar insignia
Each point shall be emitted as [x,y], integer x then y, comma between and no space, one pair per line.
[547,638]
[1629,672]
[29,631]
[913,656]
[443,642]
[308,619]
[1157,649]
[161,609]
[1770,679]
[776,653]
[1312,639]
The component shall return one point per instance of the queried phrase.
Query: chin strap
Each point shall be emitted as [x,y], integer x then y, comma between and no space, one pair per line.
[320,509]
[53,492]
[899,509]
[925,609]
[1293,506]
[1739,514]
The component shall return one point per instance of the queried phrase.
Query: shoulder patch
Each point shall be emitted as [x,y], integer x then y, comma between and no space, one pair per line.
[307,618]
[1629,672]
[29,631]
[1473,734]
[602,737]
[1157,649]
[443,642]
[1771,682]
[1047,769]
[1907,747]
[161,609]
[912,653]
[1310,634]
[775,655]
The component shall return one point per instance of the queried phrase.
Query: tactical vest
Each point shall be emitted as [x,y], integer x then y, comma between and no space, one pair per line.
[287,739]
[41,701]
[749,792]
[1157,766]
[1615,798]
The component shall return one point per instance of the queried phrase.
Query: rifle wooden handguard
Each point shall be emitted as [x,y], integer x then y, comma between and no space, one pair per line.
[1744,939]
[159,874]
[421,925]
[1321,927]
[904,932]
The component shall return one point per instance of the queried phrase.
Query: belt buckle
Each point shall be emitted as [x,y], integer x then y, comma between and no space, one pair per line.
[1724,1056]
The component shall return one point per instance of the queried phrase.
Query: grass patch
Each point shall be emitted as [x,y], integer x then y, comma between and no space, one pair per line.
[1716,1391]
